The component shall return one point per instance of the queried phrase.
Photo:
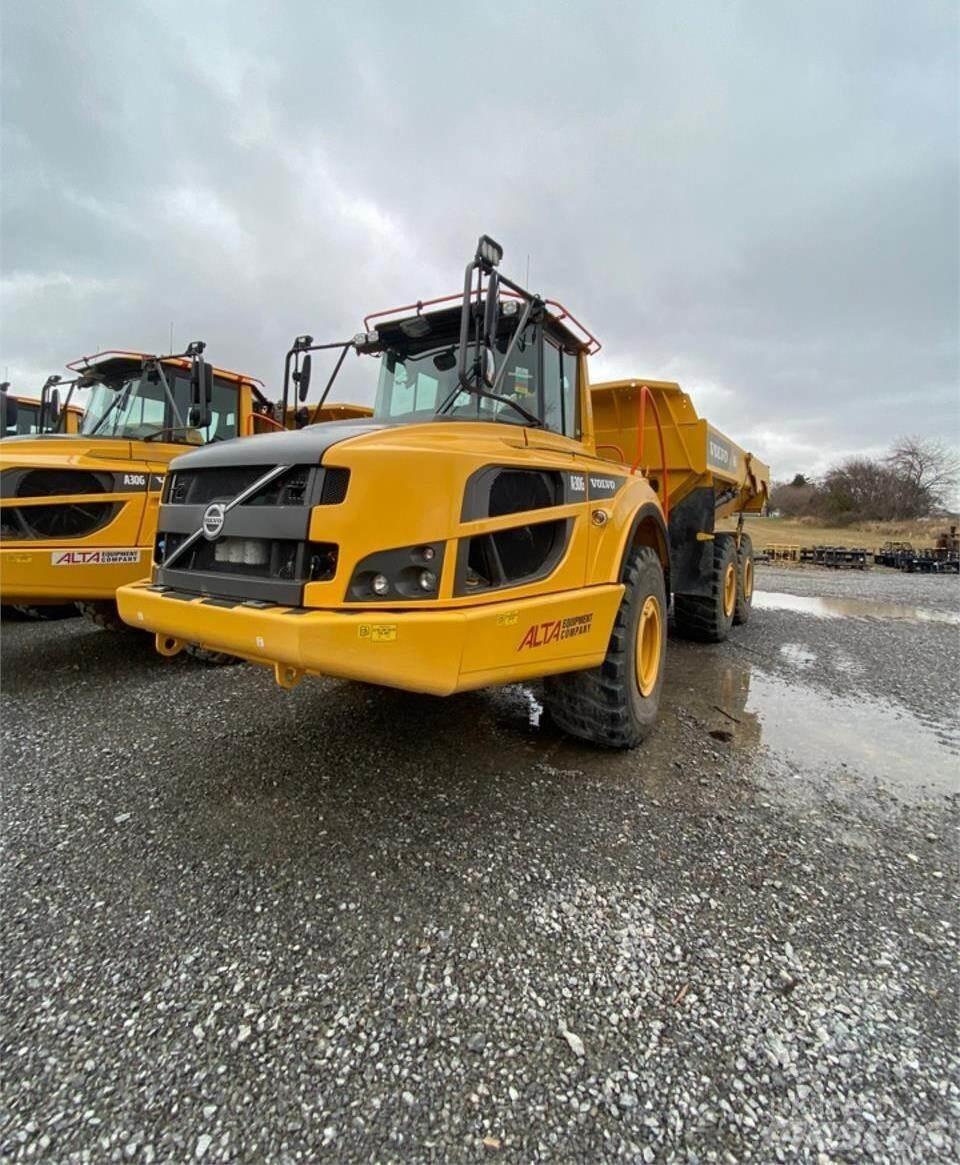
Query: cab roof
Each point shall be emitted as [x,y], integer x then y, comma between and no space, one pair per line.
[116,362]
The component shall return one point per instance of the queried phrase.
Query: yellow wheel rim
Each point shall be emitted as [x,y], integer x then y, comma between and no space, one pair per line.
[729,589]
[748,579]
[649,644]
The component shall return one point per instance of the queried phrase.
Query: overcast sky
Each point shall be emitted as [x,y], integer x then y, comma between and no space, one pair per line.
[758,199]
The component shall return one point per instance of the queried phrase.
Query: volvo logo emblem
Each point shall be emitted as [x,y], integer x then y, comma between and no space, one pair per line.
[213,519]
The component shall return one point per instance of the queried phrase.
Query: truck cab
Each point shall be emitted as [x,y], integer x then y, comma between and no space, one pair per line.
[78,509]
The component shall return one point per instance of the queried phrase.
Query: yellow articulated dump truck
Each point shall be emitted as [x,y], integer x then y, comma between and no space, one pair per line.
[22,416]
[78,511]
[496,519]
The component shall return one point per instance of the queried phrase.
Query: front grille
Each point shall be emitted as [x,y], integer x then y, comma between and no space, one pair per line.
[280,559]
[198,487]
[301,485]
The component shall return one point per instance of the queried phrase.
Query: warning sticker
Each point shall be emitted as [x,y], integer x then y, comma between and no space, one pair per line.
[507,618]
[377,632]
[103,557]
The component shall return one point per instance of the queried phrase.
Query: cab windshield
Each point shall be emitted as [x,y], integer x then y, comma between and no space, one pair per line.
[415,383]
[138,408]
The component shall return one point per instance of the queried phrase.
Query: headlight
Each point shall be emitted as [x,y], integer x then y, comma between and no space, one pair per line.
[409,572]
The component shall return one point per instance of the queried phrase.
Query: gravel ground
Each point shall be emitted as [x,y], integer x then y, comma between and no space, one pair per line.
[347,924]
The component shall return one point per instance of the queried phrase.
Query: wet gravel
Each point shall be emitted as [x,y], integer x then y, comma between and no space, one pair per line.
[937,592]
[346,924]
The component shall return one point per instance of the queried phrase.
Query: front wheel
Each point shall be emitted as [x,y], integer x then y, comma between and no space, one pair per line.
[616,704]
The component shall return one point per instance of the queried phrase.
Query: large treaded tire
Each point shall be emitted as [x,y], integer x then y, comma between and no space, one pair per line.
[104,614]
[703,617]
[604,704]
[210,658]
[26,613]
[741,612]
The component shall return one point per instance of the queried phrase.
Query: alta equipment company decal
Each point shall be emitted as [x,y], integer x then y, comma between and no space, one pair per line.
[104,557]
[540,634]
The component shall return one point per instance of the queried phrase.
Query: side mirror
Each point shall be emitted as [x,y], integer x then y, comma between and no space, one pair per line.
[8,416]
[53,412]
[303,377]
[201,393]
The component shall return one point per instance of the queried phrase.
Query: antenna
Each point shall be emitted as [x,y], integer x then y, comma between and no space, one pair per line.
[527,283]
[170,349]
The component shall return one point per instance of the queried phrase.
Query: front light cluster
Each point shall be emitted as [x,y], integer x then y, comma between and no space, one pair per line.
[410,572]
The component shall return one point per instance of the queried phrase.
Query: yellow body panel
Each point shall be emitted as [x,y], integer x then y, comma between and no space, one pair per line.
[425,650]
[407,488]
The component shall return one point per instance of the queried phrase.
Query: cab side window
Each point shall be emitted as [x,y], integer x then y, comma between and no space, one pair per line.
[559,389]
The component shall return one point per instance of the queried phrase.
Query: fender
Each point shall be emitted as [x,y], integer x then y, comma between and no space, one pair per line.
[647,511]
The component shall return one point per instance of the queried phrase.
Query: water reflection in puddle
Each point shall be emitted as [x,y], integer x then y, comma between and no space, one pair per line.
[849,608]
[819,730]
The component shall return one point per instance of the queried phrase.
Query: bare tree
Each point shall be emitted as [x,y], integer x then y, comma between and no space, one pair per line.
[862,489]
[930,465]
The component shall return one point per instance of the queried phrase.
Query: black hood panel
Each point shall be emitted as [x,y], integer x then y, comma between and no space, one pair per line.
[296,447]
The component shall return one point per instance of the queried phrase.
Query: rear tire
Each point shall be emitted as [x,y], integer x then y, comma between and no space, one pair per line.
[741,612]
[25,613]
[104,614]
[708,618]
[616,704]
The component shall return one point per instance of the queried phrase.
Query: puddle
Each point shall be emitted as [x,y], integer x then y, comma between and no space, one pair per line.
[816,729]
[798,655]
[850,608]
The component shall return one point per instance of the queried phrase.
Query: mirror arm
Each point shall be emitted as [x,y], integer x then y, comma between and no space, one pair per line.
[465,383]
[286,386]
[521,326]
[168,394]
[333,377]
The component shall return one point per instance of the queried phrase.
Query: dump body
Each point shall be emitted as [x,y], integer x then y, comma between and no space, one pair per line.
[697,454]
[706,476]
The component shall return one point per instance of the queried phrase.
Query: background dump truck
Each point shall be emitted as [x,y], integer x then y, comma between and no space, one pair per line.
[22,416]
[78,510]
[495,520]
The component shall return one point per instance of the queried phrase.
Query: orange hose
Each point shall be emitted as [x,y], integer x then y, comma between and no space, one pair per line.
[644,393]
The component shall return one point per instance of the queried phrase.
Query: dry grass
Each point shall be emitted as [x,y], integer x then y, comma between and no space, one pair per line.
[806,532]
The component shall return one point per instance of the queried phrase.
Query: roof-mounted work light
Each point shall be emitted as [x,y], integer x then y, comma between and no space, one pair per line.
[489,253]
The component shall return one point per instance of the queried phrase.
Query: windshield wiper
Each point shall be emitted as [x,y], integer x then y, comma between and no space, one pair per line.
[476,390]
[176,429]
[122,395]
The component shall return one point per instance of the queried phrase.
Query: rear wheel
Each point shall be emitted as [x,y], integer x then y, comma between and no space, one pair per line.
[709,617]
[616,704]
[103,614]
[741,612]
[25,613]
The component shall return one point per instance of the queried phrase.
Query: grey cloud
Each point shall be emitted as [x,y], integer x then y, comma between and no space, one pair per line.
[760,198]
